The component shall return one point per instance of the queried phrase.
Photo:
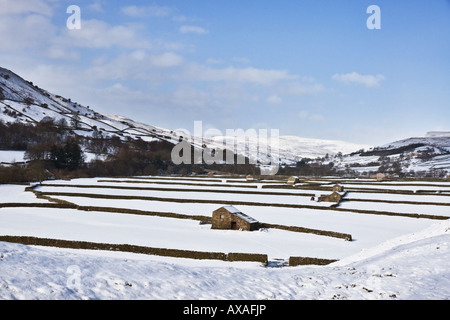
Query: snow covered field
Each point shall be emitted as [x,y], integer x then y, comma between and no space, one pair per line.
[11,156]
[414,266]
[16,194]
[389,257]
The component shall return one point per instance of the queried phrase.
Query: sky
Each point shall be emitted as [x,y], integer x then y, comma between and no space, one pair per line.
[308,68]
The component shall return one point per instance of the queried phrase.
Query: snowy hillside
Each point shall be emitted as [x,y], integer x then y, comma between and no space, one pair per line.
[289,149]
[419,156]
[22,101]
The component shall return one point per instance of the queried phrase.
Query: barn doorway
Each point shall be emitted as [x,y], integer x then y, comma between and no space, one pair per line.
[233,225]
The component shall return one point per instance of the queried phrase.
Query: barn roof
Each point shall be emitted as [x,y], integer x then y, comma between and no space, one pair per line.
[239,214]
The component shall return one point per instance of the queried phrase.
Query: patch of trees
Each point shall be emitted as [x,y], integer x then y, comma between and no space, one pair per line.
[10,112]
[54,151]
[69,156]
[20,136]
[387,152]
[426,155]
[308,167]
[391,166]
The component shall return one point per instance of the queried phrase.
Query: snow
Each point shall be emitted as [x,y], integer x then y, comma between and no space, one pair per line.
[413,188]
[161,232]
[9,156]
[289,149]
[398,207]
[16,194]
[239,214]
[398,197]
[231,209]
[366,230]
[390,257]
[412,267]
[206,195]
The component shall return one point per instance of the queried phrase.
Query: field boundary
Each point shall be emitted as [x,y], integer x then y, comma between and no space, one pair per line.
[396,202]
[243,203]
[62,204]
[184,184]
[302,261]
[359,190]
[345,236]
[165,252]
[249,192]
[180,190]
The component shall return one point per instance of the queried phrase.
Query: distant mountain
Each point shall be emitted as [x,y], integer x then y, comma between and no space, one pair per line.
[438,134]
[289,149]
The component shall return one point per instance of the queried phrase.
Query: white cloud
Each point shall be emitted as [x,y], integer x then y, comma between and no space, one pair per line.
[9,7]
[193,29]
[99,34]
[26,25]
[214,61]
[233,94]
[369,81]
[274,99]
[242,60]
[146,11]
[305,115]
[28,31]
[135,65]
[231,74]
[58,52]
[165,60]
[66,80]
[186,96]
[299,89]
[97,6]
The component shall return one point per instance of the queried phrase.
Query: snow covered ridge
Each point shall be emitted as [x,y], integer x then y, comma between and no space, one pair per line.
[427,156]
[21,100]
[438,134]
[290,149]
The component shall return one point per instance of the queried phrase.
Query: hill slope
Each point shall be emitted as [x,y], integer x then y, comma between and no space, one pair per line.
[23,101]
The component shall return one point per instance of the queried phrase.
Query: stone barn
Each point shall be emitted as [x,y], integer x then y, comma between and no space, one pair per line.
[338,188]
[230,218]
[334,197]
[292,180]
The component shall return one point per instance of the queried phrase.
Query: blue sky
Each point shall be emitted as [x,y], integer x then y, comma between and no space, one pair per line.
[308,68]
